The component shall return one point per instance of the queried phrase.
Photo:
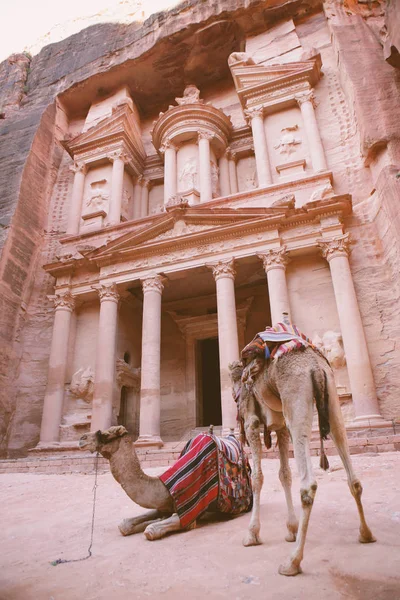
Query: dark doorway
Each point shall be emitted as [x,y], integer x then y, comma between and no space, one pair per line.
[208,388]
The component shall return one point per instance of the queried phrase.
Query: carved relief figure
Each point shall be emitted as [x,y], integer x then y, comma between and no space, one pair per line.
[288,141]
[331,345]
[82,384]
[188,175]
[98,198]
[215,179]
[191,95]
[126,202]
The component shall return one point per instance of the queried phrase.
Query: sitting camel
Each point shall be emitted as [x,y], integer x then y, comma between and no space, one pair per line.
[279,394]
[166,494]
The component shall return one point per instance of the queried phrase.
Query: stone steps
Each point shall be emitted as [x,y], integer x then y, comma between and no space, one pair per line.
[79,462]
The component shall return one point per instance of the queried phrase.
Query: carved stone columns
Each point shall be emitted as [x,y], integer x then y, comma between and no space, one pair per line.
[274,262]
[255,116]
[75,209]
[170,173]
[54,397]
[224,275]
[150,406]
[137,197]
[358,363]
[205,166]
[306,103]
[119,159]
[233,180]
[144,198]
[104,382]
[224,175]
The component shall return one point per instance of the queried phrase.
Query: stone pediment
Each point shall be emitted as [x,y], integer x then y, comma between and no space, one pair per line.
[189,223]
[116,132]
[255,81]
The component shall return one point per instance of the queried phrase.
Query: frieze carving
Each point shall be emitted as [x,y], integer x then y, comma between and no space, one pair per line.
[288,141]
[79,167]
[223,269]
[337,246]
[153,284]
[108,292]
[274,258]
[63,301]
[191,95]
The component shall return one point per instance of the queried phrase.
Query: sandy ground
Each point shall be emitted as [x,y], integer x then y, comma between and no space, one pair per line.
[45,517]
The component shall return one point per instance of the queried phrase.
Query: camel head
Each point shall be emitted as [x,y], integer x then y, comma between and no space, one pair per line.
[106,442]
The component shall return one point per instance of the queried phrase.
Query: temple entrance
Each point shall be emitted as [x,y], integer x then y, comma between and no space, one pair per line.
[208,383]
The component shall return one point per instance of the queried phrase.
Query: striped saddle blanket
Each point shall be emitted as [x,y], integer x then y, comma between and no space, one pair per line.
[276,341]
[211,473]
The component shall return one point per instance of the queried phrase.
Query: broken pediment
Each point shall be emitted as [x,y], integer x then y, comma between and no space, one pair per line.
[254,82]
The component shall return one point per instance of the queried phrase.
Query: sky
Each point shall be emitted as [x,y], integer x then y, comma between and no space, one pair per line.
[30,24]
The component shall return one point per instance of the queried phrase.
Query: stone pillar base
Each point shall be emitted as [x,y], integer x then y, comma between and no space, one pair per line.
[149,440]
[362,421]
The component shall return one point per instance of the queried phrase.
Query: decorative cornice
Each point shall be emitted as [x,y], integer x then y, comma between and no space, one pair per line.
[108,293]
[274,258]
[79,167]
[63,301]
[335,247]
[153,284]
[223,269]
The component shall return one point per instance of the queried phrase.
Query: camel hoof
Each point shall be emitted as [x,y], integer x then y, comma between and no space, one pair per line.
[152,533]
[290,537]
[366,538]
[290,569]
[252,539]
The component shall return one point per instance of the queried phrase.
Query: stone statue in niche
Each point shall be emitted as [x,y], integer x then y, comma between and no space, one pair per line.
[321,193]
[215,179]
[288,140]
[126,202]
[191,95]
[331,345]
[82,384]
[188,175]
[98,198]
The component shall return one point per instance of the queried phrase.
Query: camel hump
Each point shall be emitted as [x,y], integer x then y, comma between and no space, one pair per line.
[321,395]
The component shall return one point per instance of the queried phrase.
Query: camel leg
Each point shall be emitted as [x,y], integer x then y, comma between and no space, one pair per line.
[138,524]
[252,428]
[159,529]
[285,476]
[298,415]
[338,433]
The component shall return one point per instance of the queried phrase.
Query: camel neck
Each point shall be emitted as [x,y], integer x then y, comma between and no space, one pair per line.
[125,467]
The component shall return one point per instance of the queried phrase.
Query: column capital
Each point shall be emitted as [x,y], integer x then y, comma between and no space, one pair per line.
[108,292]
[79,167]
[63,301]
[205,135]
[153,284]
[274,258]
[145,182]
[307,96]
[253,113]
[166,145]
[223,269]
[118,155]
[337,246]
[231,154]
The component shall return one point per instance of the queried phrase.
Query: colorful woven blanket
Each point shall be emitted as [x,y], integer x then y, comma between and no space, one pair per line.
[282,337]
[210,471]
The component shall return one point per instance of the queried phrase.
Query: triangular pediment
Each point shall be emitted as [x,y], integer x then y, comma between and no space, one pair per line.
[119,125]
[191,224]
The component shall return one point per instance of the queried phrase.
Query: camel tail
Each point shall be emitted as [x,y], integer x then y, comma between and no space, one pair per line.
[321,395]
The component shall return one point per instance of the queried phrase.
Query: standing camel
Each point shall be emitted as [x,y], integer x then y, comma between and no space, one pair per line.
[279,393]
[199,472]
